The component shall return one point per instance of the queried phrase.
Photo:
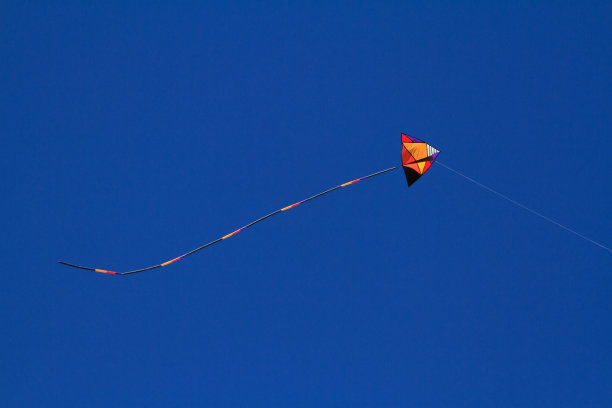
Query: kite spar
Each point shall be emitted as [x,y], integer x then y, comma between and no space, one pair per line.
[417,158]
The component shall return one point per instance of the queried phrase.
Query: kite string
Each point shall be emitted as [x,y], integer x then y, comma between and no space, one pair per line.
[505,197]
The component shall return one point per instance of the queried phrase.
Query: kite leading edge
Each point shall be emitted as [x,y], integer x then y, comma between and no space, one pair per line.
[417,158]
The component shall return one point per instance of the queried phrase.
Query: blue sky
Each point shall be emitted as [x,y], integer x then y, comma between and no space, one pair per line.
[133,133]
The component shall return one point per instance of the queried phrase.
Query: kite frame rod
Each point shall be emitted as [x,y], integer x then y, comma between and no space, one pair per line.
[232,233]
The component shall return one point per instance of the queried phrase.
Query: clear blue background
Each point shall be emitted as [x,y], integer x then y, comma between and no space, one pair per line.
[133,133]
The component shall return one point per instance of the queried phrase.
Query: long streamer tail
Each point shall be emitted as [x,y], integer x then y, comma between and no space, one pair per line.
[232,233]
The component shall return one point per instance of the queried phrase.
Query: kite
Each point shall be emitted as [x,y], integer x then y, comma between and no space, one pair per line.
[417,158]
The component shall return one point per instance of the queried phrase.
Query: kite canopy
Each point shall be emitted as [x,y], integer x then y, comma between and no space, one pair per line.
[417,157]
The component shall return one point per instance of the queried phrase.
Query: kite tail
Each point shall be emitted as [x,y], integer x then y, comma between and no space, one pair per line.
[231,233]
